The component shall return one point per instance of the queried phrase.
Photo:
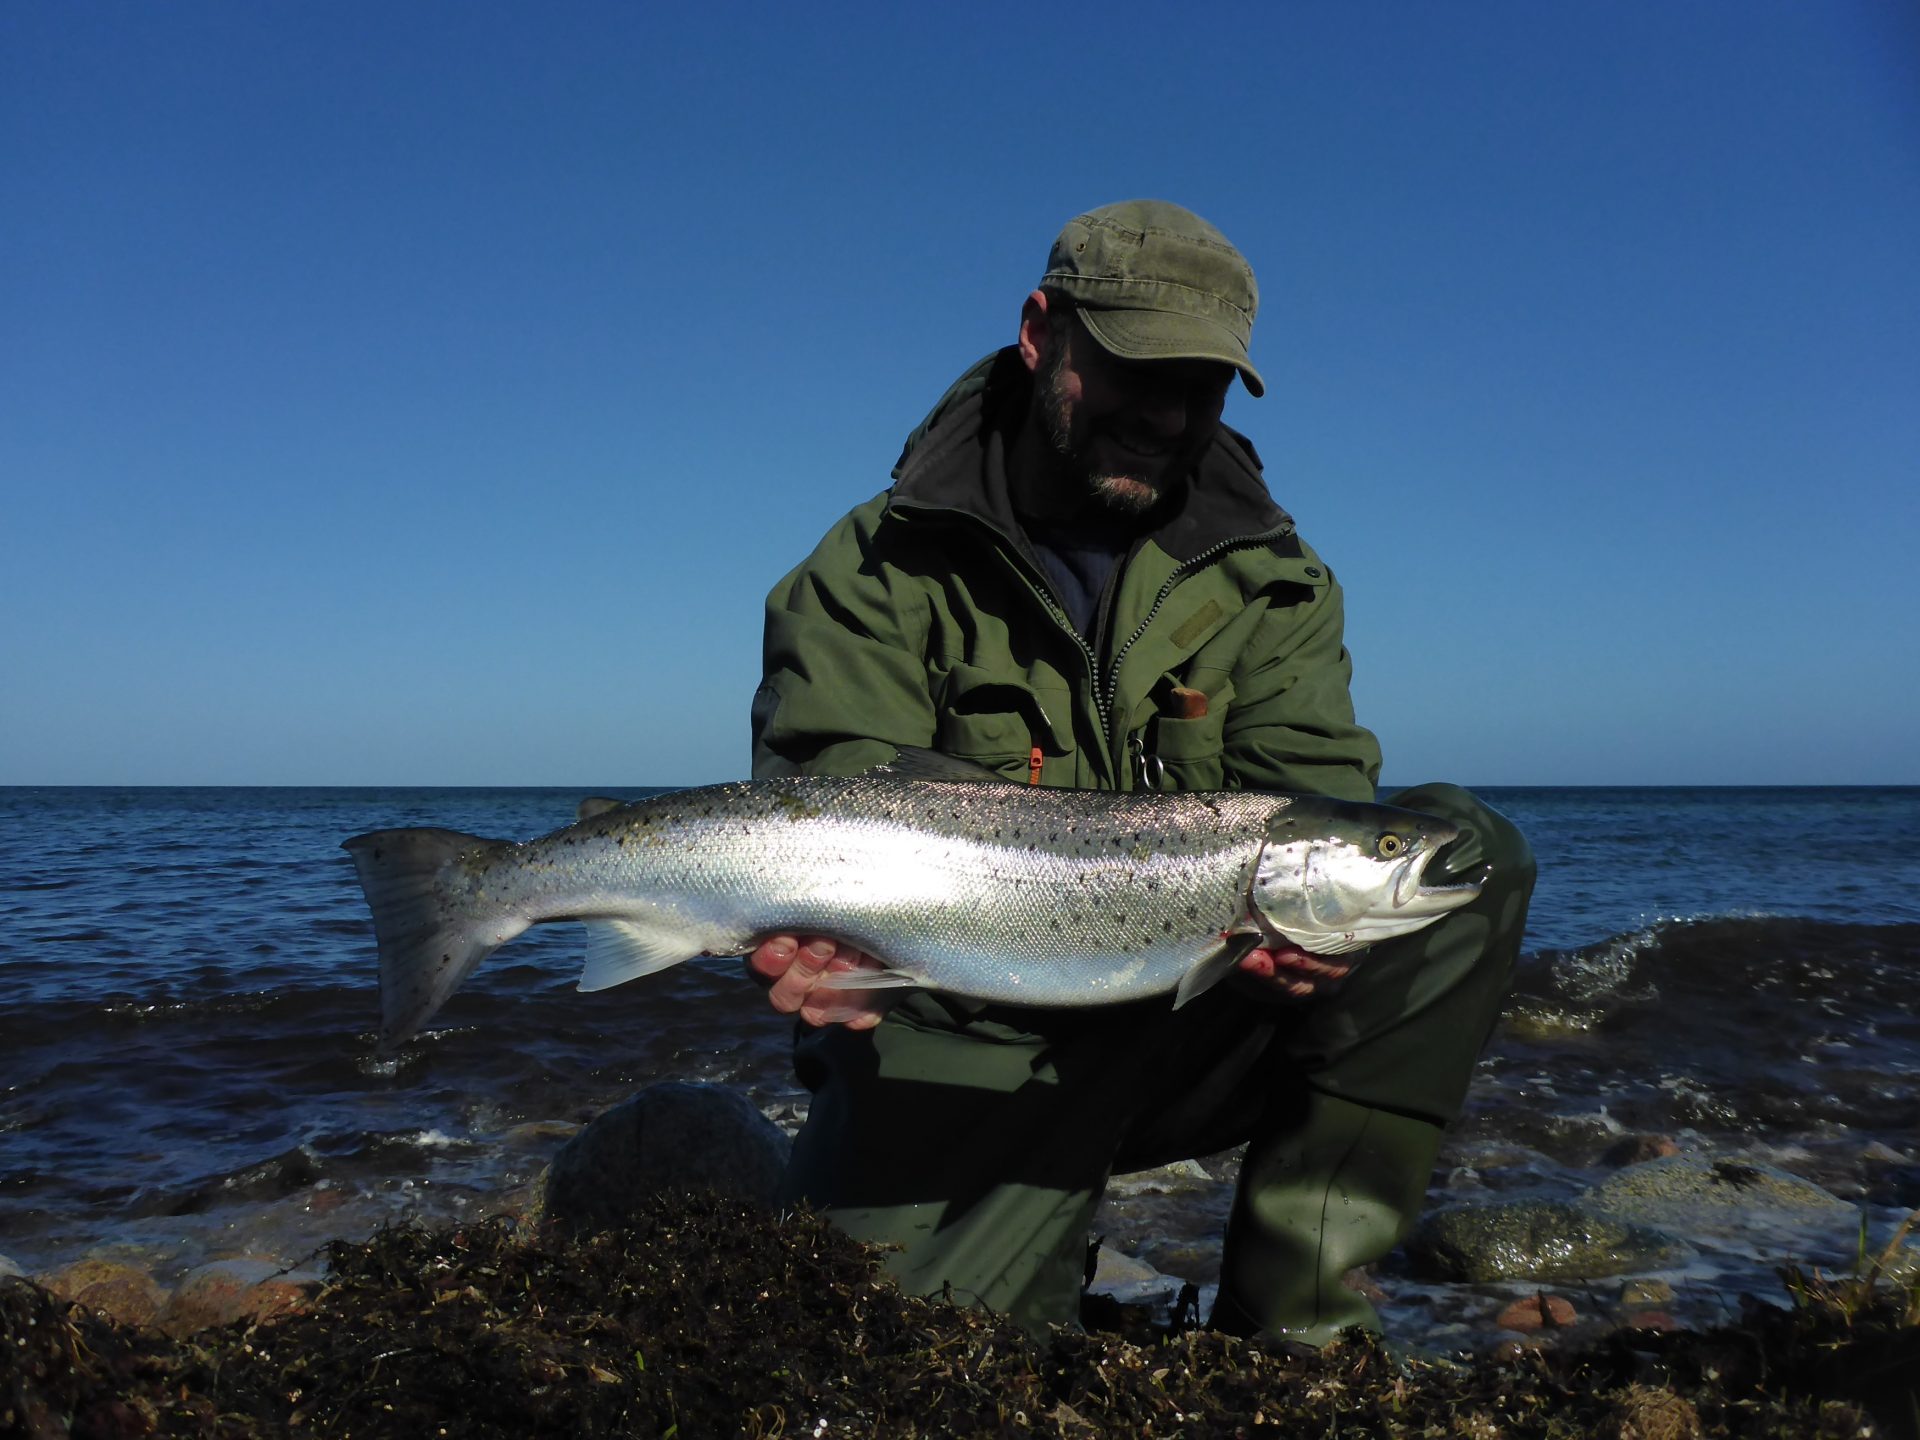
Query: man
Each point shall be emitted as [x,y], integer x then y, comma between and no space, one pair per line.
[1079,578]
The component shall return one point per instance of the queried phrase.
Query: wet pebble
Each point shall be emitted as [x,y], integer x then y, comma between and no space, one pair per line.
[224,1291]
[1638,1149]
[1171,1179]
[1537,1312]
[114,1288]
[1648,1320]
[1535,1240]
[1131,1281]
[1645,1291]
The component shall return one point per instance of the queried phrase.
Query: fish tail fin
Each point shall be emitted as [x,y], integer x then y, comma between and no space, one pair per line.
[429,943]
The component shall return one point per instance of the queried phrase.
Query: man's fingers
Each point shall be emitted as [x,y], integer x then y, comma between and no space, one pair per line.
[793,966]
[771,957]
[1281,959]
[809,963]
[1289,971]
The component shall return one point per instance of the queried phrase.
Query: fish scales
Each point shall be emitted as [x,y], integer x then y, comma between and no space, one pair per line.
[979,888]
[887,868]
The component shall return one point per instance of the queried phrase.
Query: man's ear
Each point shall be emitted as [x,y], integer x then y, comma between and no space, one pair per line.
[1036,331]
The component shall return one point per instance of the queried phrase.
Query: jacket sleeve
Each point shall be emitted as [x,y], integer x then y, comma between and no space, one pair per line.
[1291,724]
[844,676]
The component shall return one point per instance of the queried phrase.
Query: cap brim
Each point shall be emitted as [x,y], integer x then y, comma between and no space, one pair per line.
[1165,335]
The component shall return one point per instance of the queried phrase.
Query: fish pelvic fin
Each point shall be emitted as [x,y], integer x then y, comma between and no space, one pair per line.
[623,950]
[428,943]
[1216,967]
[869,980]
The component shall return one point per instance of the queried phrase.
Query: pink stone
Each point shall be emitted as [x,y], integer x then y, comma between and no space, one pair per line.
[229,1290]
[1536,1312]
[1649,1320]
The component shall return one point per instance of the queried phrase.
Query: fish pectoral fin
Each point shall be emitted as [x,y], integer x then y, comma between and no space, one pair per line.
[869,980]
[1216,967]
[623,950]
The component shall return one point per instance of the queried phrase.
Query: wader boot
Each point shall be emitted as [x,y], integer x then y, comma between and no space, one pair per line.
[1338,1191]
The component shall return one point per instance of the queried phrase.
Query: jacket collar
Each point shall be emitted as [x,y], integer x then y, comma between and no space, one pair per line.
[955,460]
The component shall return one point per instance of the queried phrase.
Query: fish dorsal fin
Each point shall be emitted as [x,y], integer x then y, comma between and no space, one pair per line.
[914,762]
[598,805]
[1216,967]
[623,950]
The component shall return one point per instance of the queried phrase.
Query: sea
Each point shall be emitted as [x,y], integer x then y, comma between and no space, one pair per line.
[188,1003]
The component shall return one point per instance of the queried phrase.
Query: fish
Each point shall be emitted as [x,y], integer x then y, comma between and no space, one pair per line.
[952,878]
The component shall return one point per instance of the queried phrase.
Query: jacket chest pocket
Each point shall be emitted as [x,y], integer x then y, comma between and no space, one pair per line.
[993,720]
[1185,751]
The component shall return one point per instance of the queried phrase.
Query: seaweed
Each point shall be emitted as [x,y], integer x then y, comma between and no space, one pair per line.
[710,1317]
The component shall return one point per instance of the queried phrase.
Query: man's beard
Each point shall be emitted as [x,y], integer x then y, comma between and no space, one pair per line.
[1127,495]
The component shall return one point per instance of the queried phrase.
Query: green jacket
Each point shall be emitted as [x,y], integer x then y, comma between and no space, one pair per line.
[924,619]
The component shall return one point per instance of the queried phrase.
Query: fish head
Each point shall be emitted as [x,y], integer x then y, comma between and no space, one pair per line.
[1334,876]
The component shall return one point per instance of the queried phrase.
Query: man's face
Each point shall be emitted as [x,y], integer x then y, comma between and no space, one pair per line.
[1125,429]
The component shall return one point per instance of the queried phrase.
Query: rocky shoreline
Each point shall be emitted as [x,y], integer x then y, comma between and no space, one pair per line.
[714,1317]
[1560,1295]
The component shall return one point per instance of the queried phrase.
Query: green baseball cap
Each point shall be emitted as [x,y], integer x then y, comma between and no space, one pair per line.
[1153,281]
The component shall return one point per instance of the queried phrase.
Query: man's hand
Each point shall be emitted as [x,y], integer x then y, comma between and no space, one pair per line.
[792,966]
[1288,972]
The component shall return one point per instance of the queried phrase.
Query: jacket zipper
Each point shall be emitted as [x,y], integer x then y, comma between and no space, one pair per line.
[1184,569]
[1106,687]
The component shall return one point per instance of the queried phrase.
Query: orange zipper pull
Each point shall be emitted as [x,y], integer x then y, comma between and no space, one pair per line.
[1034,761]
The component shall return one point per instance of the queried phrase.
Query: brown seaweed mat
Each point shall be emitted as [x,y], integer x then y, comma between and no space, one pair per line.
[709,1318]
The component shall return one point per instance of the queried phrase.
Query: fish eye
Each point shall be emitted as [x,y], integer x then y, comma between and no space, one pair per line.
[1389,845]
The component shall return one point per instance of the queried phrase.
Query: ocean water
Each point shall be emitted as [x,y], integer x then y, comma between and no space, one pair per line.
[188,1067]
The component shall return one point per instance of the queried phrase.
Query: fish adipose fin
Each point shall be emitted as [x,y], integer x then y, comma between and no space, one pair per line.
[1216,967]
[598,805]
[623,950]
[425,951]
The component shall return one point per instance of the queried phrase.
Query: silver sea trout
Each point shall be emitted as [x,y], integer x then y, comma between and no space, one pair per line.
[976,887]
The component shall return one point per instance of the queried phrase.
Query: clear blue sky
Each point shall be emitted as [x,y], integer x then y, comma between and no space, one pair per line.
[428,393]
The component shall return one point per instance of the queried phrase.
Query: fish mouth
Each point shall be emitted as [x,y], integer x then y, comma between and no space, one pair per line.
[1410,889]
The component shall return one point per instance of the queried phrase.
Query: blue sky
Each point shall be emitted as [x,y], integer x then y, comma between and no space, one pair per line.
[429,393]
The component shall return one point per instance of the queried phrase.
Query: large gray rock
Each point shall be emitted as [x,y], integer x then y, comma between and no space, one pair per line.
[1535,1240]
[1755,1205]
[671,1136]
[1698,1189]
[9,1270]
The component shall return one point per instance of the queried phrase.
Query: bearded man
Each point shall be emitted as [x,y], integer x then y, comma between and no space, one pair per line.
[1078,577]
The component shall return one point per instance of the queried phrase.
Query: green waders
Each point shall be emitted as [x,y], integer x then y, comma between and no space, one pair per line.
[978,1140]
